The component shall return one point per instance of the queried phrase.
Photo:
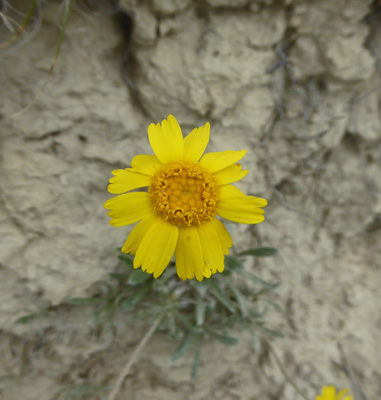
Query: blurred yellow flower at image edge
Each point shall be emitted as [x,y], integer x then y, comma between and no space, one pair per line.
[186,191]
[329,393]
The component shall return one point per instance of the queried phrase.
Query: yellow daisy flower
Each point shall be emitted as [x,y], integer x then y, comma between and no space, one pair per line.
[329,393]
[185,194]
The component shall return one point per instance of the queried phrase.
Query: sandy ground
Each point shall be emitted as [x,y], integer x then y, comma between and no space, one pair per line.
[295,82]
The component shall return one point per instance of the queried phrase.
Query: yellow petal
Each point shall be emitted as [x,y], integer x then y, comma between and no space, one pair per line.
[329,393]
[207,271]
[212,248]
[195,143]
[235,206]
[189,257]
[223,234]
[126,180]
[227,192]
[157,247]
[236,213]
[231,174]
[167,140]
[128,208]
[342,393]
[137,234]
[214,162]
[146,164]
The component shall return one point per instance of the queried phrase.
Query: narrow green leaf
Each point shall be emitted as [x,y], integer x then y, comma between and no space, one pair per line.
[225,339]
[230,321]
[28,15]
[96,317]
[21,28]
[256,315]
[183,347]
[272,332]
[80,390]
[275,305]
[138,276]
[221,297]
[260,252]
[126,259]
[8,377]
[135,298]
[233,263]
[241,301]
[202,287]
[106,289]
[196,362]
[117,276]
[184,319]
[255,342]
[62,34]
[27,318]
[200,311]
[256,279]
[173,329]
[83,301]
[168,274]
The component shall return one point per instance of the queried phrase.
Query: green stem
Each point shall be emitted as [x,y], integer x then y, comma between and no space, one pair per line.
[135,355]
[62,35]
[285,374]
[22,26]
[52,65]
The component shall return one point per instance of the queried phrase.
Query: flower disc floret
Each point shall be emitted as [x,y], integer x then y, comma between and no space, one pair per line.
[184,194]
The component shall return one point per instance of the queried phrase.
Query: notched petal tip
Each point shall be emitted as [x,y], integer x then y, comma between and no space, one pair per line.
[231,174]
[156,273]
[196,142]
[111,214]
[217,161]
[166,140]
[207,271]
[152,127]
[199,277]
[171,119]
[125,249]
[221,268]
[108,204]
[125,180]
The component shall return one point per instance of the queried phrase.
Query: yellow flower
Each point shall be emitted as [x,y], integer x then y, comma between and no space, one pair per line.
[185,193]
[329,393]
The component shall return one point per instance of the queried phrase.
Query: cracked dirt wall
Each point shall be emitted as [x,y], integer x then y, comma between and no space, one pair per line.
[295,82]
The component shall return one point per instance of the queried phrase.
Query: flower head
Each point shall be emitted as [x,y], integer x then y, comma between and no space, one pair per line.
[186,191]
[329,393]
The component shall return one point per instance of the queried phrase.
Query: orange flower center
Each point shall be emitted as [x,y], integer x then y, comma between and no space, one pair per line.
[184,193]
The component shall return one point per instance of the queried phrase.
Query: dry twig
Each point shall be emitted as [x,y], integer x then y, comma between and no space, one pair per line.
[135,356]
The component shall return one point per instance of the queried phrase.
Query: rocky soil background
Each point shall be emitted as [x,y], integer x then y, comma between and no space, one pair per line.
[295,82]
